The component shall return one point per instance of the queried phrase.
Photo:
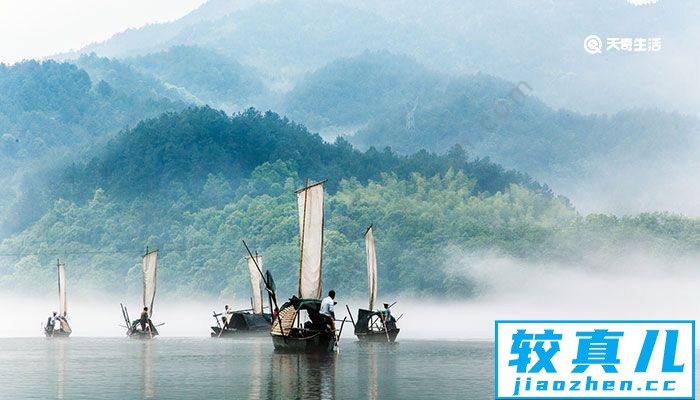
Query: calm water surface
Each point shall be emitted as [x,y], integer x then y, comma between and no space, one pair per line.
[193,368]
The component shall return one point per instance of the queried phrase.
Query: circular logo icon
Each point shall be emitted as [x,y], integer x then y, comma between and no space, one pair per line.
[593,44]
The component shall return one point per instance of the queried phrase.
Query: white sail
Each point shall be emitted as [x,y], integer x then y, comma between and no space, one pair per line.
[148,262]
[371,267]
[310,204]
[62,303]
[256,283]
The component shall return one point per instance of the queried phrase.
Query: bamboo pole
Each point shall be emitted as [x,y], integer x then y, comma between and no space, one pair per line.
[350,314]
[385,328]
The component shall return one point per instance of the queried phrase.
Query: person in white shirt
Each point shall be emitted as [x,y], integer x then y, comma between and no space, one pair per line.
[328,309]
[225,317]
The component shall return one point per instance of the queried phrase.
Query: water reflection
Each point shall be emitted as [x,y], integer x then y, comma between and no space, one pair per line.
[61,358]
[376,370]
[182,369]
[302,376]
[256,371]
[149,391]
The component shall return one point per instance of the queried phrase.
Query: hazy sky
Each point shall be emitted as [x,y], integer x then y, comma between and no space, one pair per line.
[39,28]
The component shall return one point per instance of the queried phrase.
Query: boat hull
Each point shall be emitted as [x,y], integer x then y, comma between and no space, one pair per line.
[142,335]
[379,336]
[320,342]
[57,334]
[229,333]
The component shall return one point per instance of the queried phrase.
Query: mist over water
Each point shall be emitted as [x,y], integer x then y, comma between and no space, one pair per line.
[636,286]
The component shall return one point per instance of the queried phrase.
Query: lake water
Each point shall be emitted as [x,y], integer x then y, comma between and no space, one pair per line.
[199,368]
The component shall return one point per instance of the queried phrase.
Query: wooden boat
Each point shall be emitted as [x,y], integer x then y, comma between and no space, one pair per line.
[288,335]
[65,329]
[149,264]
[252,321]
[243,322]
[299,327]
[374,325]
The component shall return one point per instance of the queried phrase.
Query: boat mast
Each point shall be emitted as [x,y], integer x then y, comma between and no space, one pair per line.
[301,238]
[58,272]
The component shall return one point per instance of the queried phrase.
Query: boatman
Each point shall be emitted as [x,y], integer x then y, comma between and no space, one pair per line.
[328,309]
[224,316]
[51,323]
[144,319]
[388,319]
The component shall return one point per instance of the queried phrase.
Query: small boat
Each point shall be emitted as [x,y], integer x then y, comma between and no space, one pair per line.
[134,329]
[299,327]
[251,321]
[374,325]
[313,336]
[65,329]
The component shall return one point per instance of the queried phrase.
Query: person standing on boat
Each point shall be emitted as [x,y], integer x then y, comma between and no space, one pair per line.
[387,311]
[51,323]
[144,319]
[388,319]
[328,309]
[224,316]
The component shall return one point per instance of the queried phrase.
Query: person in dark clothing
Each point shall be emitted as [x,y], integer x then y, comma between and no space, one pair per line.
[51,323]
[144,319]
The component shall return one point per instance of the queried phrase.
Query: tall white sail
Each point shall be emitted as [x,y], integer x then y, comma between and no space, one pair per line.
[310,204]
[256,282]
[148,262]
[371,267]
[62,302]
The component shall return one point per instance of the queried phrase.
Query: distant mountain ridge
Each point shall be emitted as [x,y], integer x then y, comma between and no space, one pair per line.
[380,99]
[532,41]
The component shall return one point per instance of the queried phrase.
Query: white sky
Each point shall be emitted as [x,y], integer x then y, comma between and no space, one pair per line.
[40,28]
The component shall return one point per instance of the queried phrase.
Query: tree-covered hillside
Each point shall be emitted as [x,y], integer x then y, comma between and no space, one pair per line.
[50,112]
[195,183]
[424,227]
[48,105]
[185,147]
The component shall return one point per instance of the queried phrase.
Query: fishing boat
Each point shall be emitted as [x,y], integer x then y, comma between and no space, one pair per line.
[64,330]
[251,321]
[135,329]
[374,325]
[299,326]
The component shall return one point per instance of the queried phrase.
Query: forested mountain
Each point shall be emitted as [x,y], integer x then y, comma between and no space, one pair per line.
[617,130]
[48,112]
[380,99]
[194,183]
[110,155]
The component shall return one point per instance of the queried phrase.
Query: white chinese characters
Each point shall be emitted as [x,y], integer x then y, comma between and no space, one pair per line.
[593,44]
